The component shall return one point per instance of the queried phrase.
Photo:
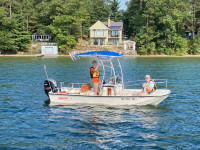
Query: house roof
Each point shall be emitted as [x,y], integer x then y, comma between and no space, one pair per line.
[114,25]
[99,23]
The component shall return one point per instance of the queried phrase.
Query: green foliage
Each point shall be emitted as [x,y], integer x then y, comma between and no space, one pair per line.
[99,10]
[66,20]
[180,46]
[13,34]
[195,45]
[142,50]
[115,14]
[158,25]
[133,18]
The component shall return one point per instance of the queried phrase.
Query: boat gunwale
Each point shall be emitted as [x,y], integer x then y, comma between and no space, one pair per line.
[109,96]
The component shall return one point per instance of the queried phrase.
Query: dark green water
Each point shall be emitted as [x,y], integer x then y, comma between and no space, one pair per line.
[26,123]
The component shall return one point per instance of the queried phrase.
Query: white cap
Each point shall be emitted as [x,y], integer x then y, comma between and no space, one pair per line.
[147,76]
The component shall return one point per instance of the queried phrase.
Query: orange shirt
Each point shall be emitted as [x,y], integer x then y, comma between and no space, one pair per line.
[94,79]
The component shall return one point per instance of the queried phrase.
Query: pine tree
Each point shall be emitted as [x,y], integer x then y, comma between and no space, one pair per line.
[115,15]
[67,22]
[100,10]
[22,36]
[29,13]
[133,18]
[158,25]
[13,34]
[195,16]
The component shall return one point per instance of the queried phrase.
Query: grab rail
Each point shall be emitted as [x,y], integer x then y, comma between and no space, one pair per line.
[140,82]
[75,84]
[71,85]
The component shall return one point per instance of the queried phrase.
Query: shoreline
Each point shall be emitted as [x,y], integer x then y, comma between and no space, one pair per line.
[150,56]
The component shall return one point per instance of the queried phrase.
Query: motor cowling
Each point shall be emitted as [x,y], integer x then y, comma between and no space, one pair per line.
[50,85]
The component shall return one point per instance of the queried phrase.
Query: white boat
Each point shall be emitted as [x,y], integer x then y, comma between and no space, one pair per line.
[113,91]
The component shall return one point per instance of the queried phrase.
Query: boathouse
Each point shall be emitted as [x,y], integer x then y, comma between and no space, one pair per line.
[49,49]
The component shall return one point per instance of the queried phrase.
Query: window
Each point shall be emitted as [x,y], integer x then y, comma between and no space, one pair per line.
[99,32]
[94,32]
[103,32]
[115,41]
[101,41]
[114,33]
[96,42]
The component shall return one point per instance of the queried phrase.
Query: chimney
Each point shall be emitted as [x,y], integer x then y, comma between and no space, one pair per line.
[109,22]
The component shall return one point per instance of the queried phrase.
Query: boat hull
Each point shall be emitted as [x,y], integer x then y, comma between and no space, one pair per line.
[64,99]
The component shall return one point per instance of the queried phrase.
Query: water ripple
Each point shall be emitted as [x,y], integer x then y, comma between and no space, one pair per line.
[27,123]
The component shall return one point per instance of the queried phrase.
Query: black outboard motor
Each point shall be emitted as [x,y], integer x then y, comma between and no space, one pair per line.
[50,85]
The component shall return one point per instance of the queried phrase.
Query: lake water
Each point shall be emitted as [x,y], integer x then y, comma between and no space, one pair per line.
[27,123]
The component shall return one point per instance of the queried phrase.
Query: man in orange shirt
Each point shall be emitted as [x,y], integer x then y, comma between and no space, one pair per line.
[94,73]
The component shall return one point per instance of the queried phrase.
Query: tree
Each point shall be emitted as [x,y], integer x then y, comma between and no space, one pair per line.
[7,24]
[133,19]
[158,25]
[45,12]
[195,16]
[115,15]
[147,36]
[29,14]
[21,35]
[13,34]
[97,10]
[67,22]
[174,15]
[9,5]
[100,10]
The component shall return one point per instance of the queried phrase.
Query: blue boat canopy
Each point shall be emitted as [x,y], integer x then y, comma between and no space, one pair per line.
[101,53]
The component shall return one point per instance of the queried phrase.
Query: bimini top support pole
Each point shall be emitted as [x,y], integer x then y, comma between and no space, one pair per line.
[113,70]
[122,76]
[103,69]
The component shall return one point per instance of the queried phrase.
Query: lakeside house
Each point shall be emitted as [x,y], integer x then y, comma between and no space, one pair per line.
[104,33]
